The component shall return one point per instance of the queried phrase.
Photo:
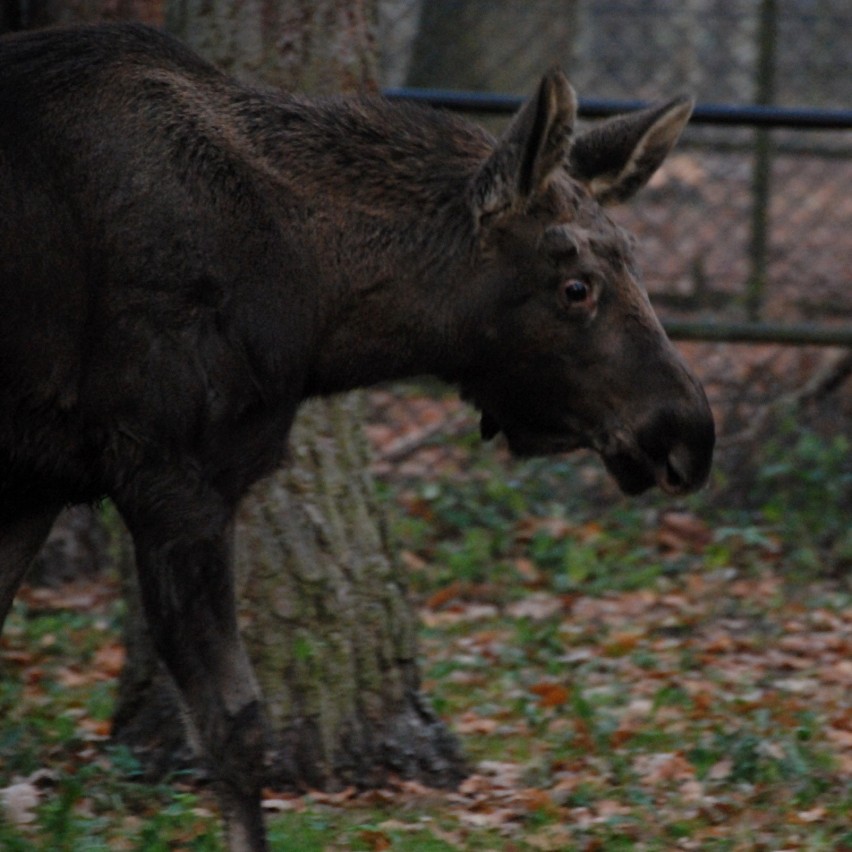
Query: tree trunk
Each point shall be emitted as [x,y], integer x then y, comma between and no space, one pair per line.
[32,14]
[311,46]
[332,637]
[326,621]
[501,46]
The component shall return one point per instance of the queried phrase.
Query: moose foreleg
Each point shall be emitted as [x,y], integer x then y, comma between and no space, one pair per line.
[21,537]
[184,561]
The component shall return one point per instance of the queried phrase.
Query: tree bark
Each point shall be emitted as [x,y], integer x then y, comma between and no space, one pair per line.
[32,14]
[325,618]
[317,47]
[501,46]
[332,637]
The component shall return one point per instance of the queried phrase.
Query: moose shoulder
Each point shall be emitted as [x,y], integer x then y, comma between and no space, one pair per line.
[183,260]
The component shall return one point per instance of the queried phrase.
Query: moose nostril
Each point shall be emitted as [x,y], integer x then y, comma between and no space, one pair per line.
[678,465]
[674,478]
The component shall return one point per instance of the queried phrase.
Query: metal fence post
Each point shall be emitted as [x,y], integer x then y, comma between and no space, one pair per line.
[767,35]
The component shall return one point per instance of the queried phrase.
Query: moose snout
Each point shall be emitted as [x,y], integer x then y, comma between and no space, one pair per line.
[680,448]
[672,449]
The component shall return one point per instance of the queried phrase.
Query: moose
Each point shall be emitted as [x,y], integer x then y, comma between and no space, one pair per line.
[185,259]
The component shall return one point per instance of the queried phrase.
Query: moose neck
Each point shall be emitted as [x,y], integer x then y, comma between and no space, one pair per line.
[382,192]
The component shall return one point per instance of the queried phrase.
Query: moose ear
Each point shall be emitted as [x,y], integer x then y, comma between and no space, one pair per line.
[534,145]
[617,158]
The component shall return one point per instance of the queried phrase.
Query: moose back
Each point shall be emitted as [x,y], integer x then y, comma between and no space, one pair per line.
[183,260]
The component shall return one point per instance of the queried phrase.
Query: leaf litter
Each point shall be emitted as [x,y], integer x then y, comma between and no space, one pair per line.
[709,709]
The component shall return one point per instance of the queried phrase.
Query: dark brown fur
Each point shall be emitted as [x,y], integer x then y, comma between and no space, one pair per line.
[184,260]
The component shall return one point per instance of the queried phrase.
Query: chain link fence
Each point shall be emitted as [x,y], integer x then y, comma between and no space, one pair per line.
[741,223]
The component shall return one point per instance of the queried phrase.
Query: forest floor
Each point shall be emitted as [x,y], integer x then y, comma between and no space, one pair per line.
[621,674]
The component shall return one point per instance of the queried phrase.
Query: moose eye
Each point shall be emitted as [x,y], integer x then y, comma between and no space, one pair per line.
[575,292]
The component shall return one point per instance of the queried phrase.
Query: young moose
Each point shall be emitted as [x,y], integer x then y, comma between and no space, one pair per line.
[183,260]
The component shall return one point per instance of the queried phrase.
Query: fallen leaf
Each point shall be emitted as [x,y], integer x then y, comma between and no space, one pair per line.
[277,805]
[682,532]
[443,596]
[20,802]
[375,840]
[622,643]
[501,773]
[551,838]
[839,737]
[72,678]
[659,768]
[692,790]
[109,659]
[488,819]
[538,800]
[399,825]
[461,614]
[470,723]
[813,815]
[537,607]
[555,528]
[799,686]
[840,673]
[20,658]
[100,729]
[527,571]
[721,769]
[550,694]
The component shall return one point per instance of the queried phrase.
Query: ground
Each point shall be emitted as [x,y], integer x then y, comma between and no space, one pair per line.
[641,676]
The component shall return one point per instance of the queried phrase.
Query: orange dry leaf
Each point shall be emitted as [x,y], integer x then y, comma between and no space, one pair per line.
[107,664]
[375,840]
[443,596]
[538,800]
[702,703]
[109,659]
[589,532]
[20,658]
[620,736]
[98,728]
[550,694]
[718,643]
[659,768]
[419,508]
[345,795]
[620,644]
[682,532]
[527,570]
[843,720]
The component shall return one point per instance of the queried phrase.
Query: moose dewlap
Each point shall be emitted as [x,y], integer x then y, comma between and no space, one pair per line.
[183,260]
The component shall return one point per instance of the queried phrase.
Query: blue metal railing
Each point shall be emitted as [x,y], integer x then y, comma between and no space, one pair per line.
[488,103]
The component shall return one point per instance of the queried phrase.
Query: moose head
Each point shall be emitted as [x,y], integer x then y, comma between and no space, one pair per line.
[572,354]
